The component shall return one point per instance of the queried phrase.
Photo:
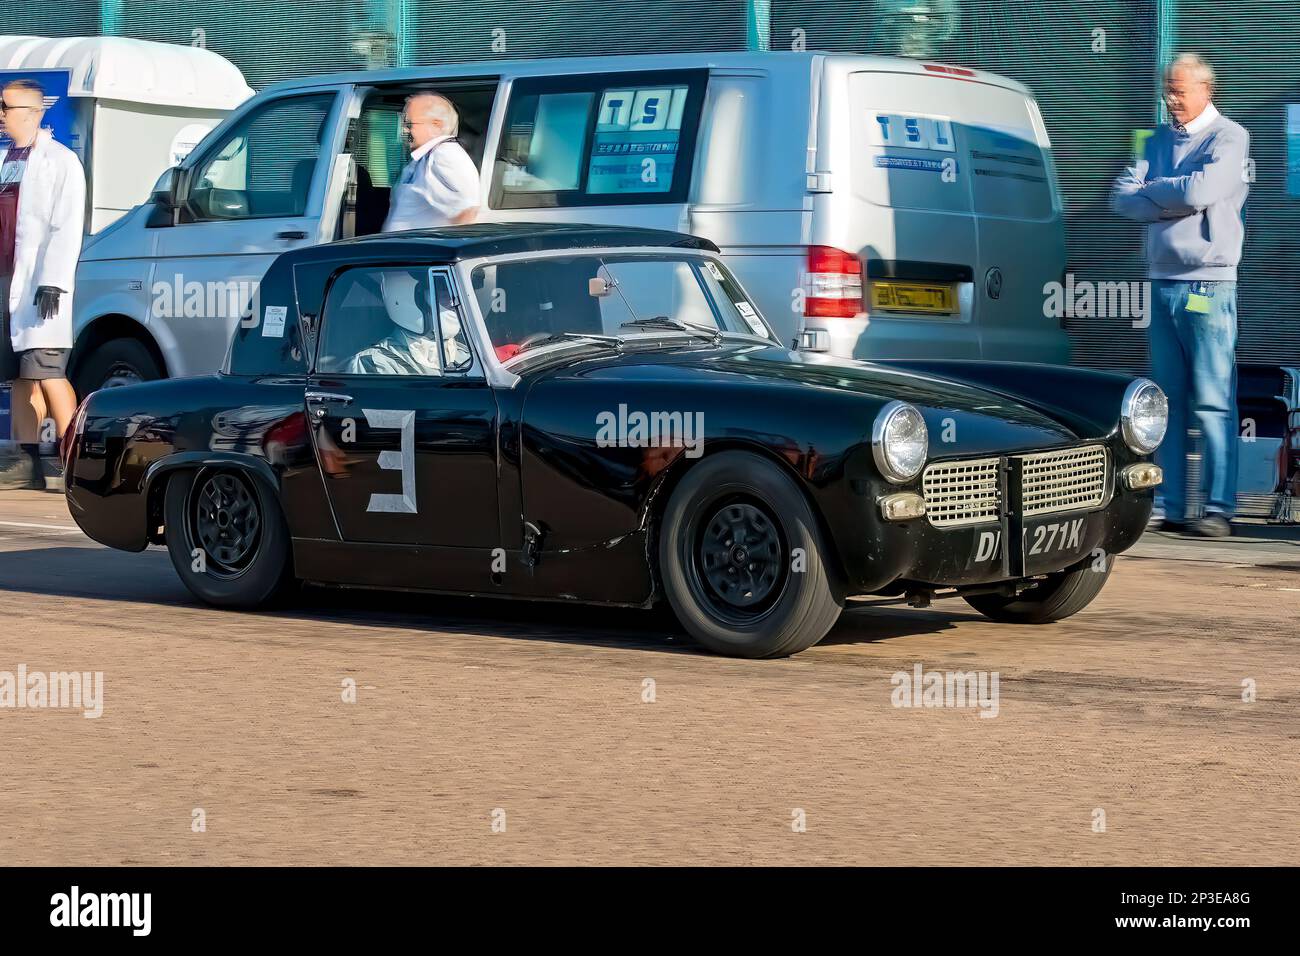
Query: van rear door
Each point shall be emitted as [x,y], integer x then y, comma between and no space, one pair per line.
[940,182]
[1020,228]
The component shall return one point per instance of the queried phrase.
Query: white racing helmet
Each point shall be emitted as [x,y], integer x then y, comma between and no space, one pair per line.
[399,290]
[405,299]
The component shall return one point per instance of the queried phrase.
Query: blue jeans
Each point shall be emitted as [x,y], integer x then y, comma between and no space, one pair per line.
[1194,359]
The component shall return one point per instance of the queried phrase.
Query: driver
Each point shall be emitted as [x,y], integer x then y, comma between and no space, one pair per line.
[408,349]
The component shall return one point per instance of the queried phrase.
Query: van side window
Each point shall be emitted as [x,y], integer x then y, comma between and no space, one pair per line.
[263,168]
[598,140]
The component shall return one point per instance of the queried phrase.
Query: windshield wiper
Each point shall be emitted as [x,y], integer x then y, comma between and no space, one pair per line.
[664,322]
[613,340]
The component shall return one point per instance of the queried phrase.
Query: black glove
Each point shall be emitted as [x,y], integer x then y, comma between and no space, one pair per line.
[47,302]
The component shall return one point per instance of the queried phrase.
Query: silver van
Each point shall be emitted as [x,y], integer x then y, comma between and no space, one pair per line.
[873,207]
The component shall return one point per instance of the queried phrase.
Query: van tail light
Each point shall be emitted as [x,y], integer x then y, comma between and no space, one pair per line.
[72,433]
[832,284]
[947,70]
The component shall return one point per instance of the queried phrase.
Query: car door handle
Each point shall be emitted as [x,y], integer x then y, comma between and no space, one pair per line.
[319,401]
[291,234]
[318,398]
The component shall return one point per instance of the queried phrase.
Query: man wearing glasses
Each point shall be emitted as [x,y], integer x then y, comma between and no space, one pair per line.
[440,185]
[42,216]
[1190,187]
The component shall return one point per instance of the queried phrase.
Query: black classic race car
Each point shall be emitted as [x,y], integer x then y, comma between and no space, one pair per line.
[601,415]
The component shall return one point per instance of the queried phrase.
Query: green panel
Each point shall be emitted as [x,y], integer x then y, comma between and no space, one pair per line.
[269,40]
[49,18]
[445,31]
[272,40]
[1254,46]
[1092,101]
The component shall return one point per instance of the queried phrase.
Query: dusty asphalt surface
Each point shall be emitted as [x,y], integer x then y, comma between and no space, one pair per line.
[463,708]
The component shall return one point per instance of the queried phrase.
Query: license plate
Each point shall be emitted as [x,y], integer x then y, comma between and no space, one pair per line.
[924,298]
[1055,538]
[1046,544]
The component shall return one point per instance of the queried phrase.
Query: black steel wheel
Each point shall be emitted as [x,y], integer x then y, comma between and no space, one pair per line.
[227,536]
[741,560]
[728,543]
[226,522]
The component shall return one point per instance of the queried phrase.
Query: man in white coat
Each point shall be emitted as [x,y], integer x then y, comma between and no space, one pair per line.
[42,217]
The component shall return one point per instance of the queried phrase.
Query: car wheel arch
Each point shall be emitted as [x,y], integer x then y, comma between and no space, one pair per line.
[159,473]
[657,500]
[106,328]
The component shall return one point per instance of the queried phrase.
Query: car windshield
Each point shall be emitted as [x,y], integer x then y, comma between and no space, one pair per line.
[529,303]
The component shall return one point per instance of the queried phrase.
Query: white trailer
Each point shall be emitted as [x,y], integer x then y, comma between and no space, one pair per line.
[138,108]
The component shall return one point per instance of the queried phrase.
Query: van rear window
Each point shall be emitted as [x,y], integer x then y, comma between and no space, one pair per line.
[574,141]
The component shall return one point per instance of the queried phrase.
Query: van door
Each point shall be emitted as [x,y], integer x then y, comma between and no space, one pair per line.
[377,152]
[950,206]
[607,148]
[253,193]
[1021,231]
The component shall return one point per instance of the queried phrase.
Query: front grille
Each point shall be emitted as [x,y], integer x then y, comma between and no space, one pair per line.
[961,492]
[966,492]
[1063,480]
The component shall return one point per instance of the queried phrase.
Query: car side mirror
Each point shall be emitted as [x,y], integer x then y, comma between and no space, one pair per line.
[164,190]
[165,199]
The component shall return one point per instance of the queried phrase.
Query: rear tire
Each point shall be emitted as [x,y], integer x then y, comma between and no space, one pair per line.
[1054,599]
[727,544]
[123,361]
[227,537]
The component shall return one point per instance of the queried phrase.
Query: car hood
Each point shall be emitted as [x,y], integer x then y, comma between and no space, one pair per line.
[774,368]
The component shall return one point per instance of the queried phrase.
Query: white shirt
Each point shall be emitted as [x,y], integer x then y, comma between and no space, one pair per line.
[1208,116]
[439,183]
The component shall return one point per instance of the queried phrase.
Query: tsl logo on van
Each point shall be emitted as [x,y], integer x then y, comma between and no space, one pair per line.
[912,132]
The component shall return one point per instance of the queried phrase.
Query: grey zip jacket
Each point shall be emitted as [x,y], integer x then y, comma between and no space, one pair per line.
[1189,187]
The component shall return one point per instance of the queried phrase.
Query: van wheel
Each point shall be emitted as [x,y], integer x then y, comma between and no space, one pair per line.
[1055,598]
[742,560]
[227,537]
[123,361]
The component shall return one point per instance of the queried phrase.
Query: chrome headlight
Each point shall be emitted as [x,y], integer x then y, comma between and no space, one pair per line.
[900,442]
[1144,416]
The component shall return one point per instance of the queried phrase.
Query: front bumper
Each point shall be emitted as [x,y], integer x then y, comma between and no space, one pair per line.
[878,555]
[1010,550]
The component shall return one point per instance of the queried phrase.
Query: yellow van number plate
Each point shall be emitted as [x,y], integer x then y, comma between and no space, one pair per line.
[914,297]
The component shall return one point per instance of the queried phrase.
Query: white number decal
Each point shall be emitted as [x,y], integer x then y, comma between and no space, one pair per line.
[403,461]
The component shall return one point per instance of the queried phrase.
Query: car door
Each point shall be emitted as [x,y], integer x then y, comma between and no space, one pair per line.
[256,190]
[402,418]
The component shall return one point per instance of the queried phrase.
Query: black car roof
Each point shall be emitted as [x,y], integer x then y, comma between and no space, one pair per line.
[496,239]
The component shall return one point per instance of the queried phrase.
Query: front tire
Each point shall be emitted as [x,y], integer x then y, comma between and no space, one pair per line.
[1057,597]
[122,361]
[227,537]
[742,560]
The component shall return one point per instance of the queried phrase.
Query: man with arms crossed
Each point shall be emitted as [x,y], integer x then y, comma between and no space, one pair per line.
[1189,187]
